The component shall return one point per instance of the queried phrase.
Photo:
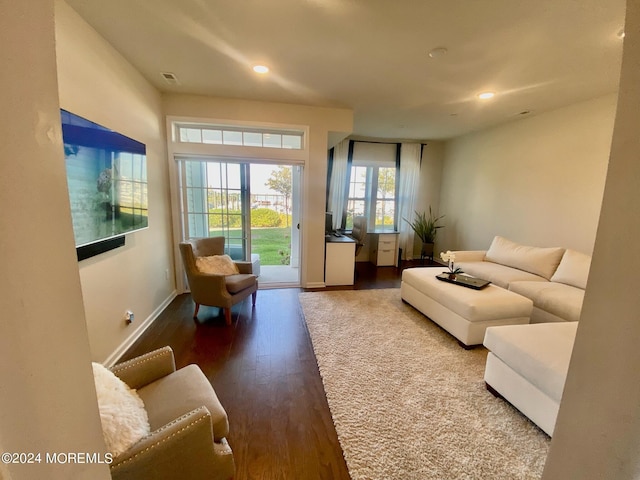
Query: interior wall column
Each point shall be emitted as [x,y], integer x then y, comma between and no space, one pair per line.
[47,395]
[597,433]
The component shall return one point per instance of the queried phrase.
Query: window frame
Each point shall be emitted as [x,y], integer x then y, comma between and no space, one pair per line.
[371,198]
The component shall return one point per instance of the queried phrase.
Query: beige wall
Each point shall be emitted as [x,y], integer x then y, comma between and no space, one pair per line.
[537,181]
[597,433]
[97,83]
[322,122]
[429,189]
[47,398]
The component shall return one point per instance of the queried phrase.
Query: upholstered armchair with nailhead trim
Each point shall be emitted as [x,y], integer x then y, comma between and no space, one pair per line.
[188,424]
[212,289]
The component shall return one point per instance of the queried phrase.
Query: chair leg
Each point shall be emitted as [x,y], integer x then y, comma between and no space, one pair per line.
[195,314]
[253,298]
[227,315]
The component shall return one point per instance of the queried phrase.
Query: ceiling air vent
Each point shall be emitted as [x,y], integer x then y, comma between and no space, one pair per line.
[170,78]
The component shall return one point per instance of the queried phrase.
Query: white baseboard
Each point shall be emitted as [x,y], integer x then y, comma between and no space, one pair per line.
[315,285]
[118,352]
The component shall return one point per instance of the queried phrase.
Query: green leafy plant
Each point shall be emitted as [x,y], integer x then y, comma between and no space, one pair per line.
[426,227]
[265,217]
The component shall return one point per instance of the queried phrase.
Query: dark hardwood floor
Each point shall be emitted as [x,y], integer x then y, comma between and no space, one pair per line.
[264,371]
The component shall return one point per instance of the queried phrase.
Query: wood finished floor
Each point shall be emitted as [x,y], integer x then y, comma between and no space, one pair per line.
[264,371]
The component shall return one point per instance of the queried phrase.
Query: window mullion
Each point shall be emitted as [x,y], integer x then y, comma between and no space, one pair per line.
[372,194]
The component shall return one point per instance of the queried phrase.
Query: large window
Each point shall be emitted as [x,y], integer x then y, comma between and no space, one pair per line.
[372,186]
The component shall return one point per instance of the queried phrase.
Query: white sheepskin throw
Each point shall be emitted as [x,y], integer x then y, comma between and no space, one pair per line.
[124,419]
[218,264]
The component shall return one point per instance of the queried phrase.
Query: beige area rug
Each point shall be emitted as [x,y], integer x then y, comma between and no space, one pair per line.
[407,401]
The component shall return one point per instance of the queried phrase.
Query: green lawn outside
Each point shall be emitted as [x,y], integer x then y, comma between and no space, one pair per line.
[268,243]
[272,244]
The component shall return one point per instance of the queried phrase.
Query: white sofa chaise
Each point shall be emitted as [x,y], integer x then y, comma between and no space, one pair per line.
[553,278]
[527,365]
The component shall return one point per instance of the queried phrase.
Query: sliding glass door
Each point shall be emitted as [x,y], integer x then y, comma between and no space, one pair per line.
[275,222]
[255,206]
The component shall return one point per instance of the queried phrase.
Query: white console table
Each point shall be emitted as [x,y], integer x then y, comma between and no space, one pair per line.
[339,260]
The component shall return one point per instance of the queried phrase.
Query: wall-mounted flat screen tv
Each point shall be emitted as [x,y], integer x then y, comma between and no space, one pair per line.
[107,181]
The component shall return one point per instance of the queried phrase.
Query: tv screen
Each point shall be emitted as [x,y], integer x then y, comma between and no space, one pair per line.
[107,181]
[328,222]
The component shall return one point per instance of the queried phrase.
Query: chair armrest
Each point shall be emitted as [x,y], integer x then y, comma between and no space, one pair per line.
[183,448]
[147,368]
[245,267]
[470,255]
[204,285]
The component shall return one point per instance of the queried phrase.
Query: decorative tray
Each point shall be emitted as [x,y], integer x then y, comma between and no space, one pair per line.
[463,280]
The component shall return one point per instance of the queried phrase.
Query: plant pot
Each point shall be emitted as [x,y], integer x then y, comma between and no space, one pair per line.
[427,250]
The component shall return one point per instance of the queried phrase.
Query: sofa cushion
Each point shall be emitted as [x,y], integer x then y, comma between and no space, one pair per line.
[497,274]
[536,260]
[179,393]
[540,352]
[573,269]
[559,299]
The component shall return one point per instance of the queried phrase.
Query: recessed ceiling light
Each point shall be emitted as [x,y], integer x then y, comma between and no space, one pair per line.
[438,52]
[486,95]
[260,69]
[620,33]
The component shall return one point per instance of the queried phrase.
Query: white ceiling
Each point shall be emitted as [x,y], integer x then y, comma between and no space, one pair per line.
[372,55]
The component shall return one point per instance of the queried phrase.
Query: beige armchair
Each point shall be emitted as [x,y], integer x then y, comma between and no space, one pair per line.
[212,289]
[188,424]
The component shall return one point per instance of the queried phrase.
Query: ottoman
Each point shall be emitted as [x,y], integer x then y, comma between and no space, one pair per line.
[463,312]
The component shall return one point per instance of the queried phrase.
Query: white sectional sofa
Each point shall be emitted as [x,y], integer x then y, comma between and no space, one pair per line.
[527,365]
[553,278]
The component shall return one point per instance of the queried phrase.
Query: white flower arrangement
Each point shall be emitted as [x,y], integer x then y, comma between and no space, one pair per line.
[450,258]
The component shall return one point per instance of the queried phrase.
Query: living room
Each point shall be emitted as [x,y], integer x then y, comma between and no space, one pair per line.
[565,178]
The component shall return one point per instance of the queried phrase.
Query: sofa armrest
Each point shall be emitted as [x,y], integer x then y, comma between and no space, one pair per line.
[470,255]
[183,448]
[245,267]
[147,368]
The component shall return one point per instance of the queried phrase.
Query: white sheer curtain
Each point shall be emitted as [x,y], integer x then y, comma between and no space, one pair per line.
[410,155]
[338,182]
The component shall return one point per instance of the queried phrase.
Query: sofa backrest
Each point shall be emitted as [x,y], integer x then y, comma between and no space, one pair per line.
[573,269]
[537,260]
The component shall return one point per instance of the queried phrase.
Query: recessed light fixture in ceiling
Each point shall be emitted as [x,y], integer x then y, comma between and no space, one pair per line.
[262,69]
[620,33]
[438,52]
[486,95]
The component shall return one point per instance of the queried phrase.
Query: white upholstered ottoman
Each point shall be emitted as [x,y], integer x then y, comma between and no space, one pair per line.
[528,364]
[463,312]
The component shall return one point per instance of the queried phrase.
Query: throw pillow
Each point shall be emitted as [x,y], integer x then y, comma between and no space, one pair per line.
[218,264]
[537,260]
[573,269]
[122,414]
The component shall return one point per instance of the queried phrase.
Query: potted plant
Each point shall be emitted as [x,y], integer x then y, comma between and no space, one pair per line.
[426,228]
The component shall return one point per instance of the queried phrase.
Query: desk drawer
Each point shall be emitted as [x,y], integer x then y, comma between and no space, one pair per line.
[384,249]
[386,257]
